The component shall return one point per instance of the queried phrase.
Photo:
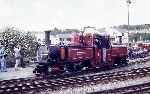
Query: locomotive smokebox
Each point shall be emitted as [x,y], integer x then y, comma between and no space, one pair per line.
[47,37]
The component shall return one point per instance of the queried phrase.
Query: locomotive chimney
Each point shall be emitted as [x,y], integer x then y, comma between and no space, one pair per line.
[47,37]
[120,39]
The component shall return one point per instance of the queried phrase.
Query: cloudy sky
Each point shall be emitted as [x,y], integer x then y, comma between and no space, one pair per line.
[46,14]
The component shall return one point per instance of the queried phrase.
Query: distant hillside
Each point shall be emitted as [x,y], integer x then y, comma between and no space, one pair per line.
[134,27]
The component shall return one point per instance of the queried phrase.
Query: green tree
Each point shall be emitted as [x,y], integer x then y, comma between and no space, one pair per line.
[11,37]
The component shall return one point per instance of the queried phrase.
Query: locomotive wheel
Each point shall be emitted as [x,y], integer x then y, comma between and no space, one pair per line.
[77,66]
[68,67]
[117,62]
[124,61]
[120,61]
[86,65]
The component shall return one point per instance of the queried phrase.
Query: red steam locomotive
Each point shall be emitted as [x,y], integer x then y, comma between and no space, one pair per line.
[85,51]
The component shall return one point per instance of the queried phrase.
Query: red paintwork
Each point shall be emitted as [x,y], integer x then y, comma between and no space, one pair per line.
[81,51]
[76,53]
[88,40]
[84,47]
[119,51]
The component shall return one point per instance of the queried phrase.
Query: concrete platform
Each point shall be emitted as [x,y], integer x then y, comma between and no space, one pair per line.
[21,73]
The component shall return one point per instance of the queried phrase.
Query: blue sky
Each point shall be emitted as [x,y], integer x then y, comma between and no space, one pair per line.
[41,15]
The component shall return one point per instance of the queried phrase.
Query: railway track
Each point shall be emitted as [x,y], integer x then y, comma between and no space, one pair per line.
[29,85]
[26,85]
[135,89]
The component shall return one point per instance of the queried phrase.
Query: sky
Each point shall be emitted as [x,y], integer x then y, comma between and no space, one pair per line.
[40,15]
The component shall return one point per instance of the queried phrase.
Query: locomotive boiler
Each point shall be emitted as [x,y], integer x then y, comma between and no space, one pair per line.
[85,51]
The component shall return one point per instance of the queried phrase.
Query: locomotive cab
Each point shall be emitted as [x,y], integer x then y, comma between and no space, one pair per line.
[102,41]
[103,44]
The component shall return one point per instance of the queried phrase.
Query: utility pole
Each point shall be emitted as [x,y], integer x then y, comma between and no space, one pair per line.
[128,6]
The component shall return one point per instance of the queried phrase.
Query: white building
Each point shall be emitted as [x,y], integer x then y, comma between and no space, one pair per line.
[117,33]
